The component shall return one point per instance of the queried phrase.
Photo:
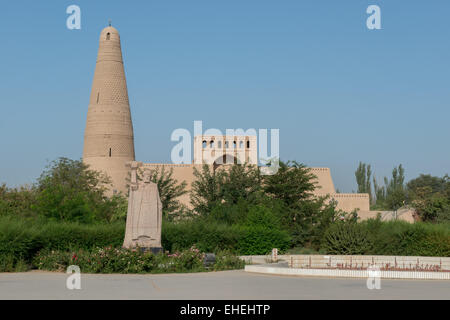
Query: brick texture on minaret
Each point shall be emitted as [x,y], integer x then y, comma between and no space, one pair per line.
[108,137]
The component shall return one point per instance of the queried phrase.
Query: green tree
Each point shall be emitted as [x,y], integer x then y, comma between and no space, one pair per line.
[120,205]
[17,201]
[230,195]
[436,185]
[225,186]
[395,199]
[430,197]
[304,215]
[433,208]
[206,189]
[380,195]
[241,182]
[292,184]
[68,190]
[395,189]
[363,174]
[170,189]
[447,186]
[393,195]
[397,181]
[308,223]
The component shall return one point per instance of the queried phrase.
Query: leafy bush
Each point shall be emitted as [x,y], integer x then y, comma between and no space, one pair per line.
[117,260]
[262,216]
[65,236]
[259,234]
[402,238]
[262,232]
[69,191]
[261,240]
[347,238]
[434,208]
[388,238]
[229,214]
[11,263]
[18,238]
[308,223]
[227,260]
[205,235]
[17,201]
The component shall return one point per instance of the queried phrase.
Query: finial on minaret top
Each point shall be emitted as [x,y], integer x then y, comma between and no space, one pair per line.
[109,22]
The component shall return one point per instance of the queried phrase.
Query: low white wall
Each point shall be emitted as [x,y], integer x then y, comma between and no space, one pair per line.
[347,273]
[334,261]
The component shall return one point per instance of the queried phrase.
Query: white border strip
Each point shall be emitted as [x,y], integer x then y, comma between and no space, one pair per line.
[348,273]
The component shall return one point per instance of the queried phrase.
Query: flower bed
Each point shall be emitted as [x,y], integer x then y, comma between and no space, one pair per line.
[120,260]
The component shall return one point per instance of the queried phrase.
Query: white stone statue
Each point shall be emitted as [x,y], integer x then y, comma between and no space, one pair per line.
[144,216]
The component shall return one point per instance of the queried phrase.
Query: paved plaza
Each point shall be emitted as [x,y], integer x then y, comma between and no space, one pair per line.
[223,285]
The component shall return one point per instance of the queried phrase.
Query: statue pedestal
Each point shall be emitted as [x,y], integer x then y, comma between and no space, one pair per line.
[154,250]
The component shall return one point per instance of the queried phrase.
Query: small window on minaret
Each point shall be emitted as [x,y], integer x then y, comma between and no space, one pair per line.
[110,152]
[98,96]
[108,35]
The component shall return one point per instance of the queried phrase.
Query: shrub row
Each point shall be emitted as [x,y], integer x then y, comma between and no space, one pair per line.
[388,238]
[22,240]
[208,237]
[211,236]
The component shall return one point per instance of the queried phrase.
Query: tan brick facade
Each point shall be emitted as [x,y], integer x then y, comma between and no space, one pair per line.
[108,137]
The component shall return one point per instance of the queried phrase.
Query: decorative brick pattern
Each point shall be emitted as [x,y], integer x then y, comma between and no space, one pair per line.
[108,138]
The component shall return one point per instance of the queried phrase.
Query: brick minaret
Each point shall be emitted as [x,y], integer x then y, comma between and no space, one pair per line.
[108,138]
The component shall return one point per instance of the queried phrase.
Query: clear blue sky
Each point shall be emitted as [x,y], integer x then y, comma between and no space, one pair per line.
[338,92]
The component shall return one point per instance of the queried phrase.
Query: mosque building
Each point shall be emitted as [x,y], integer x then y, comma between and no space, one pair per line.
[109,138]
